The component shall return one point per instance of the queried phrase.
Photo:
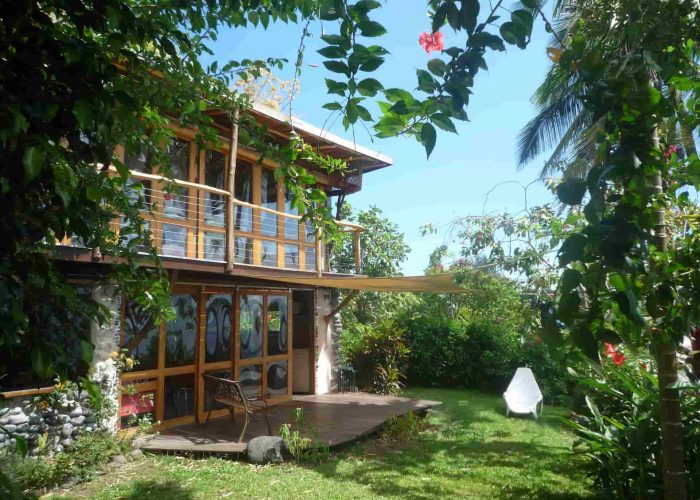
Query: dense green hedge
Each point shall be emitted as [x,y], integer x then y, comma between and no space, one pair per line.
[477,354]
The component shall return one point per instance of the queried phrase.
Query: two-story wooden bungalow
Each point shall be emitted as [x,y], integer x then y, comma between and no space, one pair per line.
[226,227]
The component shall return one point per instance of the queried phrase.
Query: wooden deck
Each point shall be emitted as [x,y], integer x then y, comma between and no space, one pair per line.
[337,418]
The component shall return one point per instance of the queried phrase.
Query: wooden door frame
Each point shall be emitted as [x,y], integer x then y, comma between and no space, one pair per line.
[202,365]
[265,359]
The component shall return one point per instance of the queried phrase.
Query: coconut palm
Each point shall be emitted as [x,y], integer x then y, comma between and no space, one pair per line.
[563,125]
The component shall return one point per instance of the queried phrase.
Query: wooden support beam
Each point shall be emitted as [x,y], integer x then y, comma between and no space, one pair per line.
[342,305]
[230,208]
[358,252]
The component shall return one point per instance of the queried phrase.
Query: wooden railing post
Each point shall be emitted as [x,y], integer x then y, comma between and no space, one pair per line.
[319,255]
[358,252]
[230,208]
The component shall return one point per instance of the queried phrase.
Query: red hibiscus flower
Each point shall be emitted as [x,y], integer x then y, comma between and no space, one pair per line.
[431,42]
[168,196]
[670,151]
[617,357]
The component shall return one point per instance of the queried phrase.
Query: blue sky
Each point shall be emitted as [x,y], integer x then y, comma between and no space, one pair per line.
[464,167]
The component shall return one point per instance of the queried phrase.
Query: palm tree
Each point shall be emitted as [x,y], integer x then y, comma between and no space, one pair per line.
[564,126]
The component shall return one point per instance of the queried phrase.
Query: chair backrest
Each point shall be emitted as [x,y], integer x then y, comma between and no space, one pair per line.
[225,389]
[524,385]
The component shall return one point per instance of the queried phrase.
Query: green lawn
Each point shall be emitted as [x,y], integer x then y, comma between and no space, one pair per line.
[470,449]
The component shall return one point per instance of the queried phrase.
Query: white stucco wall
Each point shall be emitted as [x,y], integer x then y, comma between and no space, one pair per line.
[325,343]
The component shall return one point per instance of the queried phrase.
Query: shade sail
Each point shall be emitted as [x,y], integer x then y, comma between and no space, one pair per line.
[436,283]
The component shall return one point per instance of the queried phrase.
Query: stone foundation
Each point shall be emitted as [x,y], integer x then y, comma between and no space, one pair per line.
[53,422]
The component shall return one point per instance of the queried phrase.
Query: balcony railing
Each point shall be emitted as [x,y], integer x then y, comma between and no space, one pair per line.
[196,221]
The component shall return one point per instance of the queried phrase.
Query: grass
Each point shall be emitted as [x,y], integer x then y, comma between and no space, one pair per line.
[469,450]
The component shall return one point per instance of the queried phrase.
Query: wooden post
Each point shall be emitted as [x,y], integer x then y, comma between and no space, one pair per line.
[230,207]
[358,252]
[319,257]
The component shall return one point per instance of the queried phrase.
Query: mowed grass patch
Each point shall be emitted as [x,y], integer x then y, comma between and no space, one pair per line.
[469,449]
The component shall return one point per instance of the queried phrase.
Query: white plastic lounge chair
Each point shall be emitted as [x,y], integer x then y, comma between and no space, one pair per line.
[523,394]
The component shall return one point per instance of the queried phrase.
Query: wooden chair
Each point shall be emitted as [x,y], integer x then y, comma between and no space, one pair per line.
[230,393]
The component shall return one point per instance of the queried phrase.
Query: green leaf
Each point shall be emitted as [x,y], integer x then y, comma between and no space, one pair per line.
[86,351]
[364,113]
[530,4]
[428,136]
[444,122]
[371,28]
[485,39]
[572,249]
[569,304]
[372,63]
[508,32]
[608,335]
[33,162]
[93,192]
[335,87]
[570,279]
[337,67]
[440,16]
[469,13]
[333,106]
[332,52]
[524,19]
[369,87]
[571,191]
[339,40]
[426,82]
[437,67]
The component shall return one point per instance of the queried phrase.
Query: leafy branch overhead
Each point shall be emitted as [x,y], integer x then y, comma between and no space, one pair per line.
[443,88]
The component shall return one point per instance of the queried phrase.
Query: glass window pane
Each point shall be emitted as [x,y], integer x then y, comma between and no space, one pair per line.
[214,245]
[277,321]
[181,333]
[126,232]
[291,226]
[179,396]
[218,341]
[136,406]
[310,232]
[310,261]
[214,204]
[244,192]
[251,381]
[269,253]
[277,378]
[291,256]
[209,402]
[268,221]
[174,241]
[175,197]
[140,336]
[136,188]
[243,250]
[251,324]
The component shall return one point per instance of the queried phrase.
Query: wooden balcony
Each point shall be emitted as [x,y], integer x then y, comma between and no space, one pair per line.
[198,222]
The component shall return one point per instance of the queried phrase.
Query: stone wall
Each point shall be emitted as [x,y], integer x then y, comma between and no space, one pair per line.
[55,421]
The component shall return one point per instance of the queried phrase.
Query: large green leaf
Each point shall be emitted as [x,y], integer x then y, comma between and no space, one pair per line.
[369,87]
[33,162]
[571,191]
[428,136]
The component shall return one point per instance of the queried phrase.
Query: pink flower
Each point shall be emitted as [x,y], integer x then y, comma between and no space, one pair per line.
[431,42]
[670,151]
[439,266]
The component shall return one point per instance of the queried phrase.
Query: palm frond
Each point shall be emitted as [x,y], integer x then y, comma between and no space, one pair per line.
[560,159]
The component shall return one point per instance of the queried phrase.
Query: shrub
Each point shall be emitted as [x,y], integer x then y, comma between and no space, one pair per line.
[449,353]
[378,355]
[620,431]
[89,453]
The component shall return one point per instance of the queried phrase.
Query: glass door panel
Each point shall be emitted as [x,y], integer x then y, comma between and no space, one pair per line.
[216,347]
[263,362]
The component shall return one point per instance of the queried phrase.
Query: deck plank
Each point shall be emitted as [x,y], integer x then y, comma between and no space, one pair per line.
[337,419]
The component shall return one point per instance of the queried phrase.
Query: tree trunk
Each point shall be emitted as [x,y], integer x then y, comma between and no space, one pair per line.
[669,399]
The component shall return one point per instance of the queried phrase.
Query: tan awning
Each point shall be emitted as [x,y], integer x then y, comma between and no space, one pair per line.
[436,283]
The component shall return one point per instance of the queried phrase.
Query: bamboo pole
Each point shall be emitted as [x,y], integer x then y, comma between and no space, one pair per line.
[230,209]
